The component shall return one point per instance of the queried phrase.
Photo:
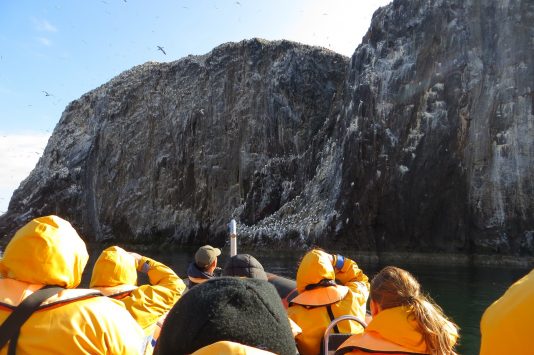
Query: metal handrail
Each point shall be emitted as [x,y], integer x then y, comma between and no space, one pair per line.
[332,324]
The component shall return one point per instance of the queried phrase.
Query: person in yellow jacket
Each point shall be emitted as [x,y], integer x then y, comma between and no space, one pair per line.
[115,275]
[404,320]
[506,325]
[230,348]
[321,299]
[48,251]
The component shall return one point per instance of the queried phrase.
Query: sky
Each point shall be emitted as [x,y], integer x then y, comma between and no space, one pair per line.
[54,51]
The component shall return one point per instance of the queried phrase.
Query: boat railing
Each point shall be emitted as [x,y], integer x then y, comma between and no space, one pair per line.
[331,341]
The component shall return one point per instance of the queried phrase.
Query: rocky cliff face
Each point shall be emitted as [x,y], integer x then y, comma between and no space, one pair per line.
[176,150]
[422,141]
[437,128]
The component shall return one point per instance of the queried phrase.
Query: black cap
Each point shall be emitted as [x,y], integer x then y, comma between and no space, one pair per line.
[244,265]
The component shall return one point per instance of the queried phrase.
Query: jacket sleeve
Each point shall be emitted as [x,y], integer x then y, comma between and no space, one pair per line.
[352,276]
[165,285]
[161,275]
[149,302]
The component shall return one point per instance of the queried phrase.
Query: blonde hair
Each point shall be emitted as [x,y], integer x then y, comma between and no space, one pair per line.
[395,287]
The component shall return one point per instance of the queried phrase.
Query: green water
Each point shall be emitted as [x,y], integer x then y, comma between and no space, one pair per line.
[463,292]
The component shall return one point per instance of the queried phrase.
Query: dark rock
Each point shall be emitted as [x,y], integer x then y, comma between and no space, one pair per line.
[423,141]
[436,132]
[175,150]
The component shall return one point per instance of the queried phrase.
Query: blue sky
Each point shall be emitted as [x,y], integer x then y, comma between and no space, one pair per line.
[65,48]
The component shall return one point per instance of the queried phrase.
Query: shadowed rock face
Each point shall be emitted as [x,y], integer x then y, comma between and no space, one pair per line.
[437,129]
[422,141]
[176,150]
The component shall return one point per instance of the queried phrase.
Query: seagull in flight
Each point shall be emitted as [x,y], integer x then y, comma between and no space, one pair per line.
[162,50]
[46,93]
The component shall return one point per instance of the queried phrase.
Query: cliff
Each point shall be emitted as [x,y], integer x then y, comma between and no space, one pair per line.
[422,141]
[438,119]
[175,150]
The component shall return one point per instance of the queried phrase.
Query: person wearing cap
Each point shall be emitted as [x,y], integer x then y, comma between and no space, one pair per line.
[228,315]
[47,252]
[329,286]
[201,270]
[245,265]
[115,275]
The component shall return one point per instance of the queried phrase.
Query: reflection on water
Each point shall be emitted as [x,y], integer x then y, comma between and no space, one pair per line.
[463,292]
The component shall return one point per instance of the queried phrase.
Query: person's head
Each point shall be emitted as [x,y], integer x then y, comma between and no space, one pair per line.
[114,267]
[395,287]
[47,250]
[242,310]
[244,265]
[206,258]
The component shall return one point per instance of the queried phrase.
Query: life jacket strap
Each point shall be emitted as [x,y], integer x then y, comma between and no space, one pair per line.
[331,315]
[10,329]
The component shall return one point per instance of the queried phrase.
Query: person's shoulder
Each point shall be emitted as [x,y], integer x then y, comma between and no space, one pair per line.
[101,304]
[107,311]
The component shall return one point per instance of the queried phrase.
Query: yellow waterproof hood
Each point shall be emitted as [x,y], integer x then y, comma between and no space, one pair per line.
[46,251]
[114,267]
[314,267]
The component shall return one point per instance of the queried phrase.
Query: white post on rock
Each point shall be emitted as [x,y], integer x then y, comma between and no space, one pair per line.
[232,227]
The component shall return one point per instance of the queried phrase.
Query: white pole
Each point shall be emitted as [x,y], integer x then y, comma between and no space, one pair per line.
[233,237]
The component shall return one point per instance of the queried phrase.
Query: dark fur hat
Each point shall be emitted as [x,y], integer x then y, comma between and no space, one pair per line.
[246,311]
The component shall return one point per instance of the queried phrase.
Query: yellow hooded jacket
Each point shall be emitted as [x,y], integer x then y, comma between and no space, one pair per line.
[392,331]
[230,348]
[48,251]
[115,275]
[506,326]
[309,308]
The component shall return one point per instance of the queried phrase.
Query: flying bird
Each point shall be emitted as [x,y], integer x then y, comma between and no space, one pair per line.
[162,50]
[238,3]
[46,93]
